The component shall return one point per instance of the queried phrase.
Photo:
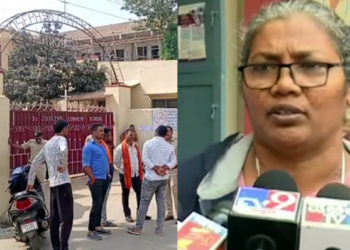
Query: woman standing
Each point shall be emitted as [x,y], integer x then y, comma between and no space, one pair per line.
[295,76]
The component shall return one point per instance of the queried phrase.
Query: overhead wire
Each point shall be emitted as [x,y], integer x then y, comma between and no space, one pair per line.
[116,2]
[90,9]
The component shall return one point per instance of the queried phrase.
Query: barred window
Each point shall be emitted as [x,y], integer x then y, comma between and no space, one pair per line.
[164,103]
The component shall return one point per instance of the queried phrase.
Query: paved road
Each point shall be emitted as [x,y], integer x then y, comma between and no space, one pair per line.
[119,238]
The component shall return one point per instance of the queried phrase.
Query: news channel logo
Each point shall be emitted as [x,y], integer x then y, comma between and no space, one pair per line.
[326,211]
[266,203]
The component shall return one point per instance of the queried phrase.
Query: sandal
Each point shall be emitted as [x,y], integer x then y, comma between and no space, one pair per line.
[134,231]
[109,224]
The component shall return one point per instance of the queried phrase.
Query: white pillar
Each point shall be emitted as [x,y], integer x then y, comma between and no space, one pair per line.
[4,147]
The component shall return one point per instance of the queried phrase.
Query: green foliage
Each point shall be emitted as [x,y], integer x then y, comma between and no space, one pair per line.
[169,51]
[40,68]
[155,15]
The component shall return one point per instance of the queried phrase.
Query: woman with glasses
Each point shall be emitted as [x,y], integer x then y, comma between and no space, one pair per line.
[295,77]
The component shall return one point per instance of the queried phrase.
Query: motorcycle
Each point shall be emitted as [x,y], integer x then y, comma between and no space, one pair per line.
[27,211]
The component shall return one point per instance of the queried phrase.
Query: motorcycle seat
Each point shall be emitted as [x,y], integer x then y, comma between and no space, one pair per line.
[16,195]
[19,194]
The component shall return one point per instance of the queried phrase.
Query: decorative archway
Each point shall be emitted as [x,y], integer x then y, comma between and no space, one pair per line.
[22,21]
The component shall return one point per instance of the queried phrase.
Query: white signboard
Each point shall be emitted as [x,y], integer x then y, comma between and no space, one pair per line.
[166,117]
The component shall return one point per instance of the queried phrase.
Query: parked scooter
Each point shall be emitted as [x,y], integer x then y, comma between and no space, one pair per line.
[27,210]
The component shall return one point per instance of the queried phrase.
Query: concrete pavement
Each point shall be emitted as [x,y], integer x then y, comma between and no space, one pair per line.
[119,238]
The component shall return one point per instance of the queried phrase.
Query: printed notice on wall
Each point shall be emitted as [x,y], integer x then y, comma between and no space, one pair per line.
[191,32]
[166,117]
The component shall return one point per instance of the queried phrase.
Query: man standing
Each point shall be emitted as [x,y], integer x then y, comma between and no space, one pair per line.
[110,147]
[55,153]
[129,164]
[35,145]
[96,167]
[171,189]
[124,134]
[159,157]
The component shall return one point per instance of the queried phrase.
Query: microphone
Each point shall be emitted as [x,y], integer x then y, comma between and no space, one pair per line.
[264,219]
[215,218]
[219,214]
[200,233]
[326,218]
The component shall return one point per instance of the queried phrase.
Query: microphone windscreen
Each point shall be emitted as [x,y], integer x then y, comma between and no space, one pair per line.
[334,191]
[220,213]
[276,180]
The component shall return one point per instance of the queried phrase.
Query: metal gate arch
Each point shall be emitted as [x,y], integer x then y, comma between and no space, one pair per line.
[21,21]
[24,123]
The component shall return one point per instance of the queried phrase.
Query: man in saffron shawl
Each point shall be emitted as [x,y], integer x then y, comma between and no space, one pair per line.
[128,162]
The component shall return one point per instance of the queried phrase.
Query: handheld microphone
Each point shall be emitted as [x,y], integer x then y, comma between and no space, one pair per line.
[200,233]
[219,214]
[326,218]
[263,219]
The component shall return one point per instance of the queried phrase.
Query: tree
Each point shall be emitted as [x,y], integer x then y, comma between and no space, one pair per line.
[41,68]
[155,15]
[170,47]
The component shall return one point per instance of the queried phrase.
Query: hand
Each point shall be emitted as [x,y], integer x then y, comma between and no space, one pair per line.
[161,171]
[166,168]
[9,141]
[92,180]
[60,169]
[29,188]
[157,170]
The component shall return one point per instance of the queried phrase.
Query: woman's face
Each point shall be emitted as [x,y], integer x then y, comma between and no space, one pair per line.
[296,39]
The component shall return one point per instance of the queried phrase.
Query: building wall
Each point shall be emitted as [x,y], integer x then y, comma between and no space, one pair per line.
[140,118]
[6,47]
[157,79]
[130,53]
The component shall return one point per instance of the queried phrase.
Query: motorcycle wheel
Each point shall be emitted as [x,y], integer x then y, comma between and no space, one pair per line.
[34,242]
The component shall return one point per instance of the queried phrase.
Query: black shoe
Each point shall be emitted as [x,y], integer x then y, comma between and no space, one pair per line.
[129,219]
[148,217]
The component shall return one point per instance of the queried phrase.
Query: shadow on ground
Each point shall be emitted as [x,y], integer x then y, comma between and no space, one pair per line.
[119,239]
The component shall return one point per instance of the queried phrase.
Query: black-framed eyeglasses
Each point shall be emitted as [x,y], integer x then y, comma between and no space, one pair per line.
[304,74]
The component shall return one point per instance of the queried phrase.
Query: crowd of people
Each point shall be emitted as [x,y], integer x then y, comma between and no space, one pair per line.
[149,173]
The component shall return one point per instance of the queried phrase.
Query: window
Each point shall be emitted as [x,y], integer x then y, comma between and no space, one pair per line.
[120,54]
[98,55]
[155,51]
[164,103]
[142,53]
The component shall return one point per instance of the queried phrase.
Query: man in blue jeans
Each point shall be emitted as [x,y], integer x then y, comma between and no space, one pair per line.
[108,140]
[96,167]
[159,157]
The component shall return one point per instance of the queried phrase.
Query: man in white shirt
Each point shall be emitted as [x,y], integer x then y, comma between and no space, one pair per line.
[172,183]
[128,162]
[159,157]
[55,153]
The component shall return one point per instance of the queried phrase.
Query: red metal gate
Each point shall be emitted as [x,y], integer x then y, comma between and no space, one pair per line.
[24,123]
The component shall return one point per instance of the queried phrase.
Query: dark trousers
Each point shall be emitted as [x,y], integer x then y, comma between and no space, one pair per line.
[47,173]
[98,192]
[136,185]
[61,215]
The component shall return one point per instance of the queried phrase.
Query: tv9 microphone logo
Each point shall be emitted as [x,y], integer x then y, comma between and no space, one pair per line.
[326,211]
[267,203]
